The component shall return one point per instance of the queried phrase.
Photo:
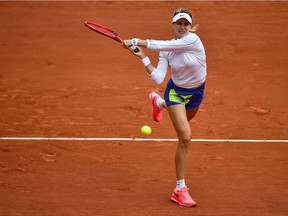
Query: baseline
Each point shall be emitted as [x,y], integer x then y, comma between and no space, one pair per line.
[140,139]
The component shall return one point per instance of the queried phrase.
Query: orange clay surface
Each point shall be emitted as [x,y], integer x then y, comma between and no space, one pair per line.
[59,79]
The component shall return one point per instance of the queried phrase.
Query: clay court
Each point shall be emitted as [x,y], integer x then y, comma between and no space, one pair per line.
[58,79]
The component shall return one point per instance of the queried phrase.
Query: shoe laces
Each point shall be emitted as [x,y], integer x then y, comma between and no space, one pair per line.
[183,193]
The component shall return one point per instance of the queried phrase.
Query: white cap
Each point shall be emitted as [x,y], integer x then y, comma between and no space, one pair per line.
[180,16]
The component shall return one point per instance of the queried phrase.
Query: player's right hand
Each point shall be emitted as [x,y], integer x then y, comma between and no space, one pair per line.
[126,44]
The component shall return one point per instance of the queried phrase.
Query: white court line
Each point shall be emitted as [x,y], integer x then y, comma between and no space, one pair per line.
[139,139]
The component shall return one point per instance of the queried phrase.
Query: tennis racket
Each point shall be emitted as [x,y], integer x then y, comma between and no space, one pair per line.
[106,32]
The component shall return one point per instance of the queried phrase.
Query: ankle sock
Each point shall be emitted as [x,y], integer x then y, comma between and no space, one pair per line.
[180,184]
[159,102]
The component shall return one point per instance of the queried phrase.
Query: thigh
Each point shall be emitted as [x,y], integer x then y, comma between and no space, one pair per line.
[180,121]
[192,113]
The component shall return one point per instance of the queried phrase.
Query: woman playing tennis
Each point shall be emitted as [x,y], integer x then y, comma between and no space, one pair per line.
[185,55]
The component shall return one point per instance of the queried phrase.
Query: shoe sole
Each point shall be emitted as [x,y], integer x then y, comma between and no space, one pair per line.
[152,101]
[176,201]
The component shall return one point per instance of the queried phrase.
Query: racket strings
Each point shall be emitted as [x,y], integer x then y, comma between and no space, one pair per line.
[104,31]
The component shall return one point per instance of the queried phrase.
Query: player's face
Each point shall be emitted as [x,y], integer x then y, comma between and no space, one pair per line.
[181,28]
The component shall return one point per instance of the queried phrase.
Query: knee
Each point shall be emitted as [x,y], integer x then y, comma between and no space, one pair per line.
[185,138]
[184,142]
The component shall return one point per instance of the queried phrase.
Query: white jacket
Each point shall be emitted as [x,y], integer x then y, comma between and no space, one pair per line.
[186,58]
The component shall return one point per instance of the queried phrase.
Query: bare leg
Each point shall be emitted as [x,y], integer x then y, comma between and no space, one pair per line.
[180,119]
[164,104]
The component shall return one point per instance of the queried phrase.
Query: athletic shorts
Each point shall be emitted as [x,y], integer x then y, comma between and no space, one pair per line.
[190,98]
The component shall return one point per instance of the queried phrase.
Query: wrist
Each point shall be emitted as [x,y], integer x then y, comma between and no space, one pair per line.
[146,61]
[134,41]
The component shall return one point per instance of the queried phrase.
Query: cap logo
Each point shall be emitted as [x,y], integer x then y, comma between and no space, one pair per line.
[182,15]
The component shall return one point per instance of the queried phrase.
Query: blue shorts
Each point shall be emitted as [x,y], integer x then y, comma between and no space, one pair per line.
[190,98]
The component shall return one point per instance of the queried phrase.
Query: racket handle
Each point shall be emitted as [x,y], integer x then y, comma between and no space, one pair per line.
[136,50]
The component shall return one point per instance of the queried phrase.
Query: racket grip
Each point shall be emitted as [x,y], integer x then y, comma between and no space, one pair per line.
[136,50]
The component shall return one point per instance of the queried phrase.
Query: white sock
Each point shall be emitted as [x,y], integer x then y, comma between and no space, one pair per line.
[180,184]
[159,102]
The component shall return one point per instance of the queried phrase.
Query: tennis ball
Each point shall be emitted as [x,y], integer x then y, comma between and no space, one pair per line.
[146,130]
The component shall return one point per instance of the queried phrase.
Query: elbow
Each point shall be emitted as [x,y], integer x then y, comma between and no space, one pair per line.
[158,81]
[157,77]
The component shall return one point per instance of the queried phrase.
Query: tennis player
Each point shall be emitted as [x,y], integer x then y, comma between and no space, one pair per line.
[185,55]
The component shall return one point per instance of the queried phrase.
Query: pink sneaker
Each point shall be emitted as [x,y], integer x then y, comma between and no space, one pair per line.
[156,111]
[183,198]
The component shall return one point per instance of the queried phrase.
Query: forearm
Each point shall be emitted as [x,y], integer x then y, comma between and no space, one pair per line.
[156,75]
[142,43]
[147,63]
[149,68]
[152,72]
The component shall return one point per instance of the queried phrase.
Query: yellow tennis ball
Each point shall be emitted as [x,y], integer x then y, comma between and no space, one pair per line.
[146,130]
